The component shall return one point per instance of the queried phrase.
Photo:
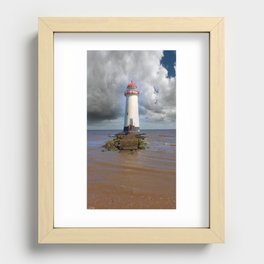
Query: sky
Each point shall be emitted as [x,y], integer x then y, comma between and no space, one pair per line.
[108,74]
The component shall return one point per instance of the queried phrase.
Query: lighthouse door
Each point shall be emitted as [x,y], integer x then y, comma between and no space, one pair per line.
[130,124]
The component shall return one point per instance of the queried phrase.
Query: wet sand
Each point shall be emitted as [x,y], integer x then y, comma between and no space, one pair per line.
[143,179]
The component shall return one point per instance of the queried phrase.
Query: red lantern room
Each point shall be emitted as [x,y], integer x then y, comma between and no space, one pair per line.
[131,85]
[131,89]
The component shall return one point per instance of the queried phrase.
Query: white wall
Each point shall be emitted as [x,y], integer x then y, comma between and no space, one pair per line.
[244,133]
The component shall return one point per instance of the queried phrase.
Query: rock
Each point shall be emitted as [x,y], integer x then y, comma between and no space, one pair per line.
[123,141]
[110,145]
[141,144]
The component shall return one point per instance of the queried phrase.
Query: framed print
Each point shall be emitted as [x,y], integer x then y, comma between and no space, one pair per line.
[131,130]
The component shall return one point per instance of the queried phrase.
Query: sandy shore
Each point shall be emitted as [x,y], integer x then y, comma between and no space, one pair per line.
[144,179]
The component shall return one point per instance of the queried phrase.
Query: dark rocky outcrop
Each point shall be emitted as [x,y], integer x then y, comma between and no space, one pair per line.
[123,141]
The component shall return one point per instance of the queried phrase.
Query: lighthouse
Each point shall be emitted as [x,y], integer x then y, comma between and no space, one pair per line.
[131,124]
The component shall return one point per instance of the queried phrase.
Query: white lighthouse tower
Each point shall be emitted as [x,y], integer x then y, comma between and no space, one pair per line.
[131,115]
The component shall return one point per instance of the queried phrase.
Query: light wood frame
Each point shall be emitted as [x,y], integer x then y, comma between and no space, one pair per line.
[47,233]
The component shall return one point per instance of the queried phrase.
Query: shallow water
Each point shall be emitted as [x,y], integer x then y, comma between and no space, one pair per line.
[132,179]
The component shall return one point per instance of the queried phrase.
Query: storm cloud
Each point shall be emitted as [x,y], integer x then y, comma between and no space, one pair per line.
[109,72]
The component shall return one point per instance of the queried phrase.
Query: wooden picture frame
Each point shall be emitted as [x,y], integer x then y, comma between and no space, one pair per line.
[47,233]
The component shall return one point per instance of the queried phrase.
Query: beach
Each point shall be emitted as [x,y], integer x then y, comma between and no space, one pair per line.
[142,179]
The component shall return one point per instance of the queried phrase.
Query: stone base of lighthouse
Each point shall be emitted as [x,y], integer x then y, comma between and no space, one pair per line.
[126,141]
[131,129]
